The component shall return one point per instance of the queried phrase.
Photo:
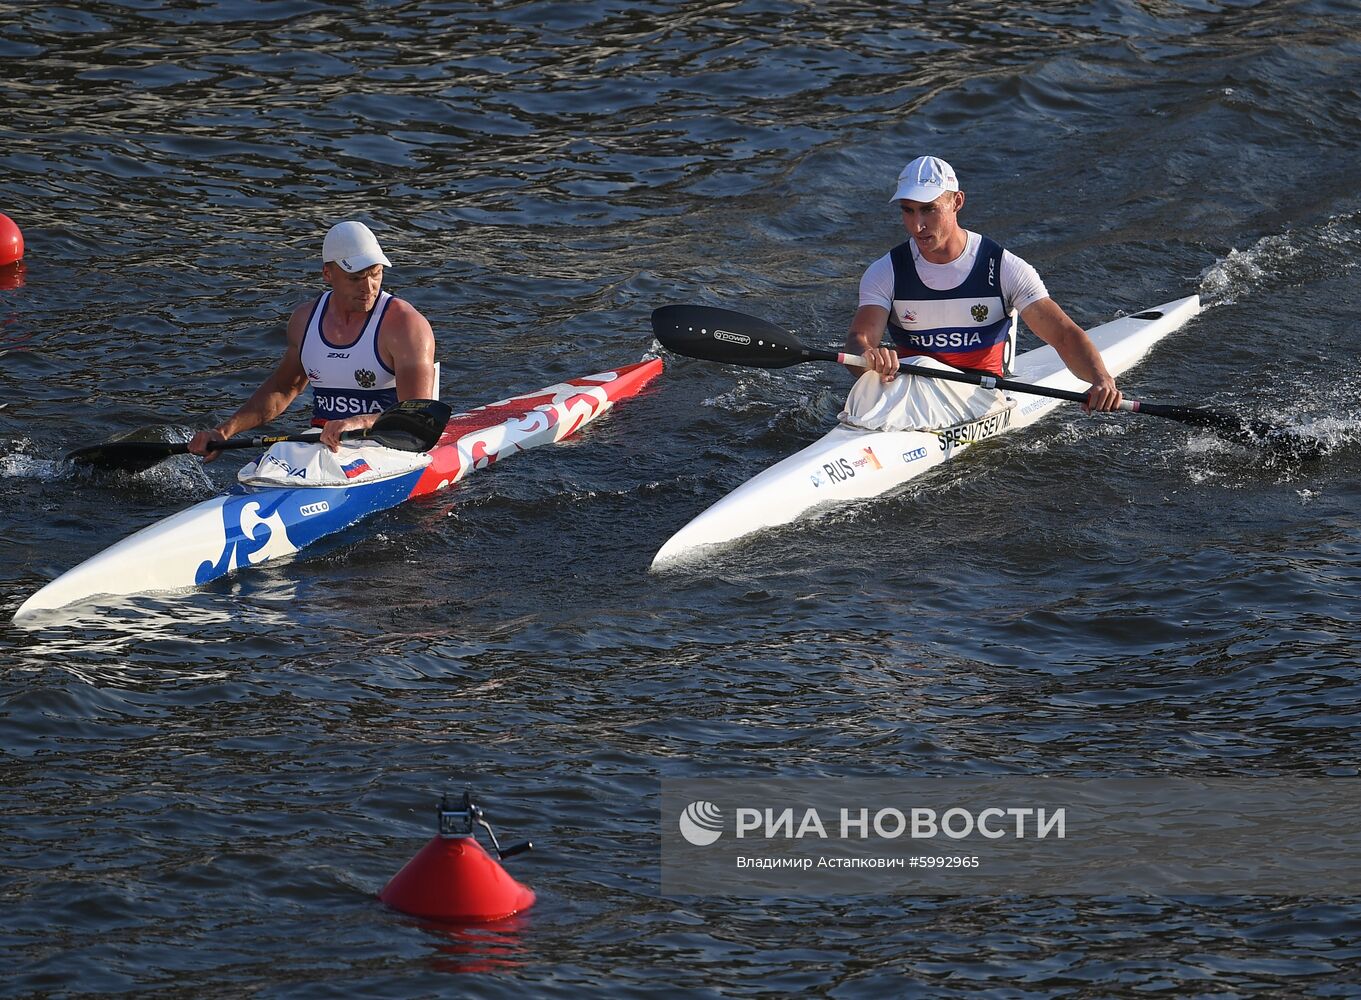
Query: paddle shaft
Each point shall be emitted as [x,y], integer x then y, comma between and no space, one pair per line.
[270,439]
[1200,416]
[986,381]
[182,447]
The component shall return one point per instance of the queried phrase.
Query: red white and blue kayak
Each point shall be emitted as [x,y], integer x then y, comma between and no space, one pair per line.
[250,524]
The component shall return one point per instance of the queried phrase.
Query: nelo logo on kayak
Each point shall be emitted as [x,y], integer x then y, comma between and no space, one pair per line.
[308,509]
[915,455]
[986,427]
[732,338]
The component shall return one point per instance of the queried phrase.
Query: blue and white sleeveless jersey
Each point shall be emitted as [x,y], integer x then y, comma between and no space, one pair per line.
[961,313]
[347,381]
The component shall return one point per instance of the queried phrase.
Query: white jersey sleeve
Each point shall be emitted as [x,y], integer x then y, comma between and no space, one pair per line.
[876,284]
[1021,283]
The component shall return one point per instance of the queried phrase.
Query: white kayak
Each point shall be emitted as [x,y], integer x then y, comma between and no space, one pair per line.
[851,463]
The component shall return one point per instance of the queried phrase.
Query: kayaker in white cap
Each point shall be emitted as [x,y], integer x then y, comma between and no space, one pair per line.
[361,349]
[948,297]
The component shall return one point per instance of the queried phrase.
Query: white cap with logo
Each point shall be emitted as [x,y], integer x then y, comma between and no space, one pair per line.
[353,246]
[925,179]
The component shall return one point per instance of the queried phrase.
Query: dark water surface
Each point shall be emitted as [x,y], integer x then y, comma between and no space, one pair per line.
[203,792]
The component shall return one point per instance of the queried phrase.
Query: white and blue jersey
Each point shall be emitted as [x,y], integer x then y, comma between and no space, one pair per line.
[352,380]
[966,327]
[961,313]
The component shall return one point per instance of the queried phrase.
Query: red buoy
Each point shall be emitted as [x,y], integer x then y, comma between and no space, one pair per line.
[454,878]
[11,241]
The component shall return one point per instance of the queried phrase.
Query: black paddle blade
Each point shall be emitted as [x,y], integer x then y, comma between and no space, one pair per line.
[126,456]
[411,425]
[1286,441]
[733,338]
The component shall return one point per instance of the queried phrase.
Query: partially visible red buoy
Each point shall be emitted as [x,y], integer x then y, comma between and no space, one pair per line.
[453,878]
[11,241]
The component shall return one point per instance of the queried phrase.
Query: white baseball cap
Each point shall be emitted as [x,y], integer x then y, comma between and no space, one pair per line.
[925,179]
[353,246]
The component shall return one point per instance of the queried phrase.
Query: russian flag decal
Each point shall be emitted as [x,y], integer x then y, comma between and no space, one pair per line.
[356,468]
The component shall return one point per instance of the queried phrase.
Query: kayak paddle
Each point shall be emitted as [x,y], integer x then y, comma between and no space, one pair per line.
[734,338]
[411,425]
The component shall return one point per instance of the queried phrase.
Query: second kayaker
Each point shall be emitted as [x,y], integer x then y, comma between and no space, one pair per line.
[948,297]
[361,349]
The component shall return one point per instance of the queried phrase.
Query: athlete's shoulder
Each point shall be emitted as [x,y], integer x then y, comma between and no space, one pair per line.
[1022,285]
[400,306]
[1015,262]
[400,315]
[886,260]
[880,272]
